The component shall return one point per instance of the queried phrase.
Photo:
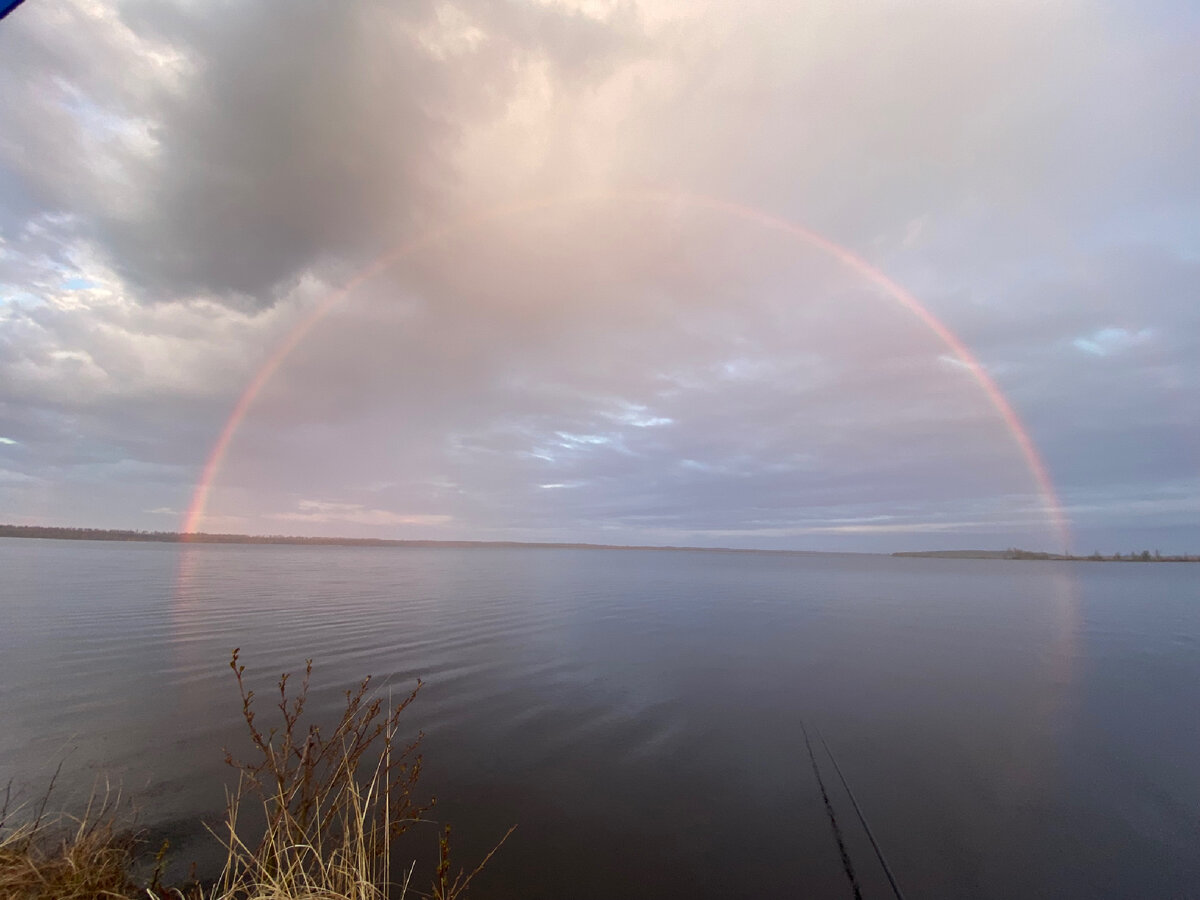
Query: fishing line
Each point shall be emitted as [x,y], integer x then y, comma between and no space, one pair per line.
[833,823]
[887,870]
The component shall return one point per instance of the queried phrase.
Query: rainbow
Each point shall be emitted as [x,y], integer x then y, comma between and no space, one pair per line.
[1020,434]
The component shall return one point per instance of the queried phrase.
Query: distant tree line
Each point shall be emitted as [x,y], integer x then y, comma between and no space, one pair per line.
[177,537]
[198,537]
[1017,553]
[1097,556]
[167,537]
[174,537]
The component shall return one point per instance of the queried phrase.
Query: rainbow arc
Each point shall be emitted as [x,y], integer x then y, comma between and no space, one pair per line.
[957,348]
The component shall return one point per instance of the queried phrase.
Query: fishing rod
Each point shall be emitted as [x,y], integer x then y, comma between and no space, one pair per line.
[833,823]
[887,870]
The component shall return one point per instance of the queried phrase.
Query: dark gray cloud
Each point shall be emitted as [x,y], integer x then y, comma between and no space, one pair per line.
[245,144]
[307,132]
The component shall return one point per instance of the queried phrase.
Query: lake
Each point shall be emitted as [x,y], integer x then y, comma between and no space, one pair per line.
[1010,729]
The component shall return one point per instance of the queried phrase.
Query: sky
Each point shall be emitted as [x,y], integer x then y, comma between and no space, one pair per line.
[864,276]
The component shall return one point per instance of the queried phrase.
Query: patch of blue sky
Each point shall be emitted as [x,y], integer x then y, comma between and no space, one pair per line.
[93,117]
[10,294]
[744,369]
[567,439]
[639,416]
[1108,341]
[1174,225]
[953,362]
[586,442]
[1177,16]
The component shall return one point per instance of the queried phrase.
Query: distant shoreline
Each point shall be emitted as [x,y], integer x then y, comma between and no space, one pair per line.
[177,537]
[1013,553]
[49,532]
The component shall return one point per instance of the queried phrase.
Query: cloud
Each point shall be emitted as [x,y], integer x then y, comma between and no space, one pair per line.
[259,143]
[7,476]
[322,512]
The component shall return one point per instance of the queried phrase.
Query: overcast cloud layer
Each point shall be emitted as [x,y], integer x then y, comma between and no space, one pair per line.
[578,344]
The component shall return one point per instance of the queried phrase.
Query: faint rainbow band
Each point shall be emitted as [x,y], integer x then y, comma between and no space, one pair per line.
[1020,434]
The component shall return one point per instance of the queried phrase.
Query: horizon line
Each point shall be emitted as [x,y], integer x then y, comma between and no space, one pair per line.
[116,535]
[202,537]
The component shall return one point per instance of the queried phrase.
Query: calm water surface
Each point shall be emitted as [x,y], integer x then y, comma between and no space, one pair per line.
[1010,729]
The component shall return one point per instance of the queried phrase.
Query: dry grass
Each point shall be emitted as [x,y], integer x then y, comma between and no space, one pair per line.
[332,806]
[62,858]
